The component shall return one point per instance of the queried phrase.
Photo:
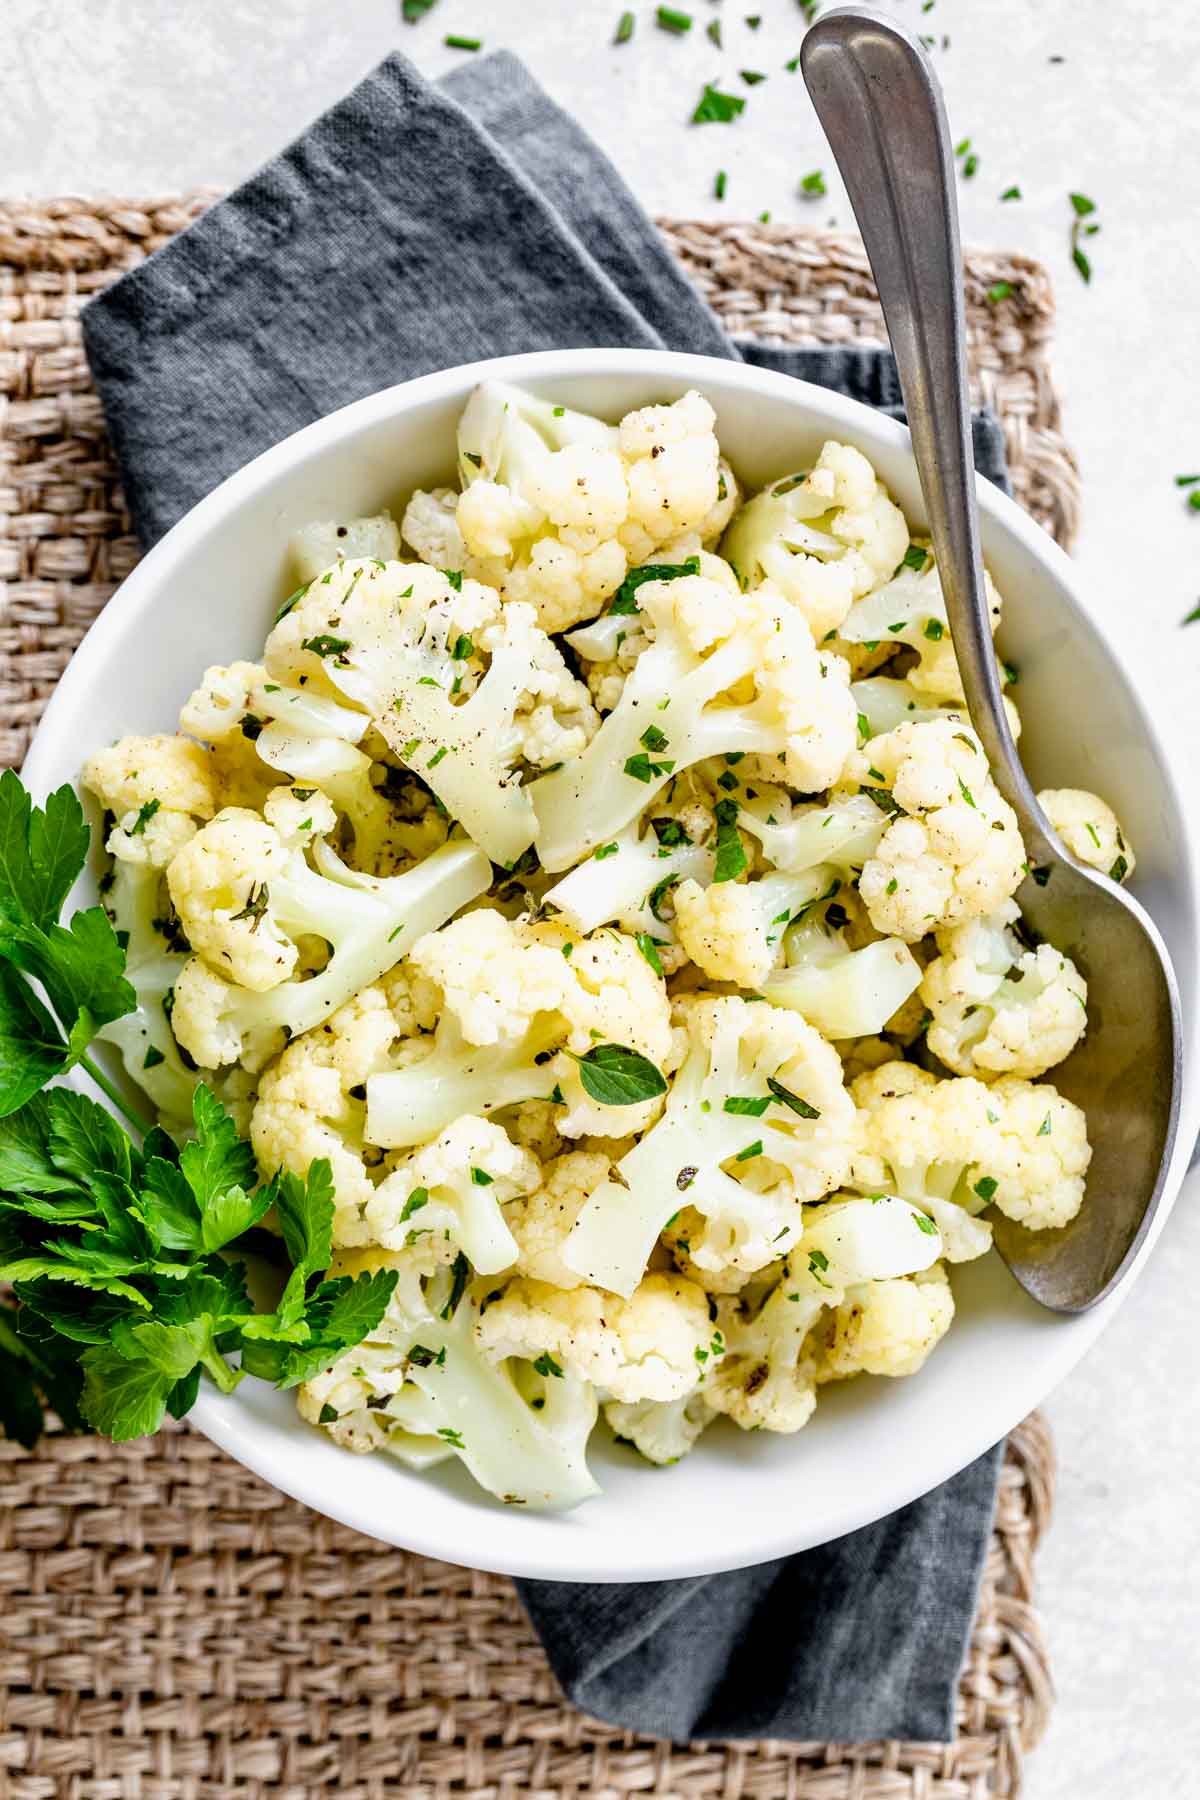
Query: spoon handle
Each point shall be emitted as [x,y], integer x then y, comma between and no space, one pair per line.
[881,106]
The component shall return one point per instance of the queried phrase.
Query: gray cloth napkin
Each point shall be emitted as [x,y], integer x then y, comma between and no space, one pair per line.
[412,227]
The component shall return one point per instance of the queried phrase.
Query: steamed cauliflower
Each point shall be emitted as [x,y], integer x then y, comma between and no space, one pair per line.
[1089,829]
[647,1347]
[952,850]
[998,1007]
[158,790]
[591,893]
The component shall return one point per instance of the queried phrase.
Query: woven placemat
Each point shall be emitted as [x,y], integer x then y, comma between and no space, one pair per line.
[170,1627]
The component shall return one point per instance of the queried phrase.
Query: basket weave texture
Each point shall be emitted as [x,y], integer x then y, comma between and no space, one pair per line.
[171,1627]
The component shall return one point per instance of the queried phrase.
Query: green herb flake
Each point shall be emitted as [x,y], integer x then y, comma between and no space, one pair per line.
[731,852]
[721,181]
[453,41]
[649,949]
[752,1105]
[716,108]
[999,290]
[1119,870]
[451,1436]
[480,1178]
[752,77]
[787,1098]
[145,814]
[986,1186]
[1011,193]
[153,1057]
[615,1075]
[624,29]
[653,739]
[603,851]
[669,18]
[812,185]
[713,32]
[751,1150]
[416,1200]
[624,601]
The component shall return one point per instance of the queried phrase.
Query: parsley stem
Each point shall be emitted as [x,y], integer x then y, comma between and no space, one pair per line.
[225,1376]
[105,1085]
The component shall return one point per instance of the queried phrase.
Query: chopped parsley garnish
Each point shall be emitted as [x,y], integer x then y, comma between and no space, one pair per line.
[480,1177]
[1011,193]
[1119,870]
[785,1095]
[727,780]
[624,601]
[713,32]
[416,1200]
[294,599]
[459,1276]
[716,108]
[624,29]
[754,1149]
[649,949]
[1043,1129]
[256,905]
[999,290]
[1082,226]
[153,1057]
[653,739]
[731,852]
[437,756]
[720,183]
[145,814]
[615,1075]
[605,850]
[965,791]
[670,833]
[324,644]
[752,77]
[812,186]
[924,1223]
[641,768]
[885,801]
[422,1357]
[452,41]
[986,1186]
[668,18]
[658,894]
[752,1105]
[934,630]
[451,1436]
[462,648]
[251,726]
[818,1262]
[329,1414]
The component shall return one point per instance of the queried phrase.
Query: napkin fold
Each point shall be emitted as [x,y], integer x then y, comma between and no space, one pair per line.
[414,226]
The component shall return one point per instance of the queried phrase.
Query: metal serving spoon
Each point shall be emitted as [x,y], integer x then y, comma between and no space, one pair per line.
[880,103]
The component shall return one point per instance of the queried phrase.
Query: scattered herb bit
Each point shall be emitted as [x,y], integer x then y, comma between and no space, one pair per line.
[326,645]
[716,108]
[153,1057]
[915,557]
[670,833]
[720,183]
[416,1200]
[145,814]
[668,18]
[818,1263]
[1043,1129]
[751,1150]
[792,64]
[934,630]
[752,1105]
[786,1097]
[1042,875]
[684,1180]
[659,893]
[1119,870]
[999,290]
[731,852]
[451,1436]
[257,901]
[752,77]
[453,41]
[566,950]
[986,1186]
[615,1075]
[812,186]
[437,756]
[604,851]
[924,1223]
[864,727]
[649,949]
[545,1364]
[641,768]
[462,648]
[294,599]
[1011,193]
[624,29]
[713,32]
[653,739]
[480,1178]
[965,791]
[624,601]
[1191,617]
[329,1414]
[459,1275]
[884,800]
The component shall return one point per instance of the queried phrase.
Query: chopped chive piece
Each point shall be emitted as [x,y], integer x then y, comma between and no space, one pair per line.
[719,184]
[624,29]
[452,41]
[545,1364]
[668,18]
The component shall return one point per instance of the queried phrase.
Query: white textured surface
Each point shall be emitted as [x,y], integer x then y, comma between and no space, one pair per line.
[145,95]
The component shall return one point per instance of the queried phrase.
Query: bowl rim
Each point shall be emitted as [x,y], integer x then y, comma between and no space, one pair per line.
[530,1553]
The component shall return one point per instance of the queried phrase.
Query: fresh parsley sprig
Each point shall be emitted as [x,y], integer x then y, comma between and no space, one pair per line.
[122,1254]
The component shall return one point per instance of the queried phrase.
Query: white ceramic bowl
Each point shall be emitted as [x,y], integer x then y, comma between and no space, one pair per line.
[206,593]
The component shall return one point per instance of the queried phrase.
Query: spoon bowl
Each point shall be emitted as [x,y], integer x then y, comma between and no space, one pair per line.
[879,101]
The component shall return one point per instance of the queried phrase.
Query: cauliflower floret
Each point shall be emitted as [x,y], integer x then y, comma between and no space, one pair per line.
[1089,829]
[767,1379]
[676,710]
[884,701]
[220,886]
[538,998]
[564,584]
[846,992]
[953,850]
[632,881]
[648,1347]
[824,539]
[662,1431]
[734,930]
[430,526]
[451,1195]
[247,901]
[673,467]
[757,1122]
[156,788]
[307,1106]
[1038,1156]
[910,612]
[998,1007]
[885,1327]
[324,541]
[419,1388]
[541,1221]
[155,952]
[406,645]
[931,1142]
